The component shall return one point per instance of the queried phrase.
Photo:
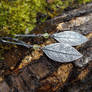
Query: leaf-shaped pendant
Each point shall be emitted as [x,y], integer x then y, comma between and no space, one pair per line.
[70,37]
[61,52]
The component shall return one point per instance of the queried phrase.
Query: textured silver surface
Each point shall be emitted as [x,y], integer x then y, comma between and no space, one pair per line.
[70,37]
[61,52]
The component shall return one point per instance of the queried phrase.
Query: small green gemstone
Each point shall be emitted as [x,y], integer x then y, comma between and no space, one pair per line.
[36,47]
[46,35]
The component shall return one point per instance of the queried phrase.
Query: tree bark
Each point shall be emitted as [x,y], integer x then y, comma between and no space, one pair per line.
[46,75]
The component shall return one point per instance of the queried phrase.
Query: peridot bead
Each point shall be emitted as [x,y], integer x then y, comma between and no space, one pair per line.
[45,35]
[36,47]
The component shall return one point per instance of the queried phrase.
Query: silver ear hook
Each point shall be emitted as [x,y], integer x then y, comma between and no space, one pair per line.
[14,41]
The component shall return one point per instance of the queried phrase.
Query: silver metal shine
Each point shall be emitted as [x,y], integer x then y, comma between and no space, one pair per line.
[61,52]
[70,37]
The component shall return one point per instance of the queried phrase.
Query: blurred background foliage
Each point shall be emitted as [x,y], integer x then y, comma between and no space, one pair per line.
[21,16]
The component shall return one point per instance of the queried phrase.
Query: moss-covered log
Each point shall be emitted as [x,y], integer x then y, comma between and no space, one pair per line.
[43,74]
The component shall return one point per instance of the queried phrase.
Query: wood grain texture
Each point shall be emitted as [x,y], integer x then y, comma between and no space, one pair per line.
[46,75]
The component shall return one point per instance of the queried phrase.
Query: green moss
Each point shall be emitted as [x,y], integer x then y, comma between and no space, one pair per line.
[18,15]
[84,1]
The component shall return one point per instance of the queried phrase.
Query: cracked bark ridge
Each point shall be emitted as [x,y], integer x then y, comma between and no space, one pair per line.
[48,76]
